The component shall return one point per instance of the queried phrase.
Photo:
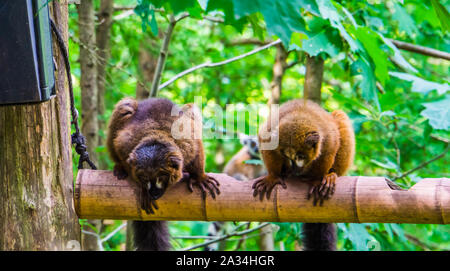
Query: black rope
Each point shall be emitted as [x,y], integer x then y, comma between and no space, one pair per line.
[77,137]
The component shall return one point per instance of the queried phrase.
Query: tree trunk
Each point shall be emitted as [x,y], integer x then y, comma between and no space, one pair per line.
[148,58]
[103,53]
[36,177]
[88,83]
[266,242]
[279,67]
[313,78]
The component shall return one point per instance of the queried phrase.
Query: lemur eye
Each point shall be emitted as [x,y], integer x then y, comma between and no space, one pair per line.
[253,144]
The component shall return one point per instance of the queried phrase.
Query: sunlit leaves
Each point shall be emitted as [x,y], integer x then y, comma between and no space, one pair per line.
[282,17]
[442,14]
[323,42]
[422,85]
[371,42]
[438,113]
[406,23]
[368,82]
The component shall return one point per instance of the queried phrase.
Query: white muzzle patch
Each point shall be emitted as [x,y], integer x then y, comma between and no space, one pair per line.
[158,184]
[300,163]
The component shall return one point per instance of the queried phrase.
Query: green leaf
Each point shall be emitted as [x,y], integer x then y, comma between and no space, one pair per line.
[282,17]
[368,84]
[192,6]
[320,43]
[359,236]
[328,11]
[229,9]
[443,15]
[438,113]
[405,22]
[421,85]
[371,42]
[153,23]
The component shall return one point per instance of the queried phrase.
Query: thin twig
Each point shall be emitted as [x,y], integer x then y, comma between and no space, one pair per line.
[162,57]
[420,49]
[194,237]
[113,232]
[240,233]
[99,241]
[424,164]
[210,65]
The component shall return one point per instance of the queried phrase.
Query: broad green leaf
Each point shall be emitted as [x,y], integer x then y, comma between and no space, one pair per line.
[421,85]
[153,23]
[438,113]
[405,22]
[359,236]
[310,5]
[192,6]
[371,43]
[229,12]
[320,44]
[354,45]
[443,15]
[328,10]
[368,84]
[282,17]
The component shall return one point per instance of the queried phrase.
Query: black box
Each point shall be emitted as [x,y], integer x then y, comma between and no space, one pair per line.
[26,59]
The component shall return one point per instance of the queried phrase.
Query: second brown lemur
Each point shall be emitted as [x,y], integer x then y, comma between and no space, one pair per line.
[315,146]
[237,166]
[142,145]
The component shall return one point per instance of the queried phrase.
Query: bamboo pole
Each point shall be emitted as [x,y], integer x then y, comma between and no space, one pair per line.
[99,195]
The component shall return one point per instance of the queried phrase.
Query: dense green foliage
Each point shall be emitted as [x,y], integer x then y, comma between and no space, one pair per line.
[397,129]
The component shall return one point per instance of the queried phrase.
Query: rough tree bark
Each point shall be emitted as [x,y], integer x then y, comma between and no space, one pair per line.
[103,34]
[89,94]
[36,177]
[279,67]
[313,78]
[148,58]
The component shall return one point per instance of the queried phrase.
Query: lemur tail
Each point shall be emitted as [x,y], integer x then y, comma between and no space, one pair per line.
[151,235]
[318,236]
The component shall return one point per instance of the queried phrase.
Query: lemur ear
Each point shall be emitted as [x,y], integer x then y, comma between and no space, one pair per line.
[312,139]
[175,162]
[132,159]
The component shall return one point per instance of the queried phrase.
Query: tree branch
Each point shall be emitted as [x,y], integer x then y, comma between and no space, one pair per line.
[372,196]
[210,65]
[420,49]
[226,236]
[162,57]
[424,164]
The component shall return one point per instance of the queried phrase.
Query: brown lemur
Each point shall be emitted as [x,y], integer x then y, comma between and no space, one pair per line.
[315,146]
[237,166]
[143,146]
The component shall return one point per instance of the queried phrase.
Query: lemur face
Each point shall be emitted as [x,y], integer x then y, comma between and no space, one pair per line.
[251,143]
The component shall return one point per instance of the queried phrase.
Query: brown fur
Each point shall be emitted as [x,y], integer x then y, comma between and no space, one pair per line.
[322,143]
[238,169]
[141,144]
[141,130]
